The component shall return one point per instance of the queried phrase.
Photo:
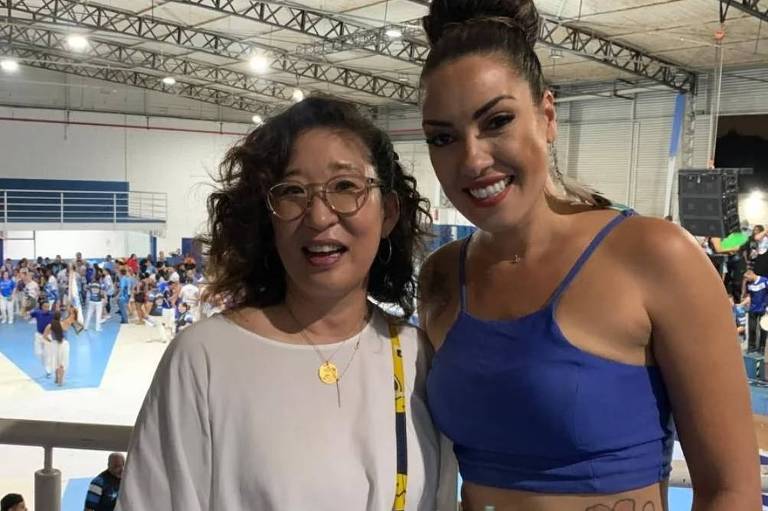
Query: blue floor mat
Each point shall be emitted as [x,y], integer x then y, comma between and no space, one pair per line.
[89,354]
[74,495]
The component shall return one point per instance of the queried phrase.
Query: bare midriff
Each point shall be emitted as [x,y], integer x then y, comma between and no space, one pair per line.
[476,498]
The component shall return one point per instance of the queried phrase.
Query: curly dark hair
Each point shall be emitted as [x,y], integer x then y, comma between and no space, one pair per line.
[243,266]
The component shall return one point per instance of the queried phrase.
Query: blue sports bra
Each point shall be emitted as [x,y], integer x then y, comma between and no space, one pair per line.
[527,410]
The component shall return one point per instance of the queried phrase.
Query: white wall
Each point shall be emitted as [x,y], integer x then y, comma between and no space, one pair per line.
[170,156]
[92,244]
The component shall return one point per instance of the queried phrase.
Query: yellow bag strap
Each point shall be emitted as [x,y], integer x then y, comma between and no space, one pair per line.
[401,481]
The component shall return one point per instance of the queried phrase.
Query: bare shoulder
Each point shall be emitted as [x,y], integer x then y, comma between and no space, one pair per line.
[439,273]
[658,247]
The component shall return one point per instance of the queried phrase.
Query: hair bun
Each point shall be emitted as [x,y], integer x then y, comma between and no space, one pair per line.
[521,14]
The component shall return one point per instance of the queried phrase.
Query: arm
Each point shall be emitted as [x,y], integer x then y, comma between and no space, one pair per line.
[169,462]
[693,332]
[93,497]
[437,290]
[718,247]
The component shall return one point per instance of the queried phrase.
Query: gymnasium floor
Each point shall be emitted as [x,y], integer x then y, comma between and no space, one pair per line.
[108,376]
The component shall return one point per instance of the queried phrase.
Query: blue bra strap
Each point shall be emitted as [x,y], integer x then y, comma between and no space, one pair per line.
[605,231]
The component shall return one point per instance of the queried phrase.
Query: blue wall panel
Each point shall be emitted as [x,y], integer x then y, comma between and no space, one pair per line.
[44,206]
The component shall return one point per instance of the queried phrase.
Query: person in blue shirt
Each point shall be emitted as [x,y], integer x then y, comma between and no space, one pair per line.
[43,317]
[7,297]
[757,300]
[104,488]
[109,264]
[96,298]
[124,295]
[89,272]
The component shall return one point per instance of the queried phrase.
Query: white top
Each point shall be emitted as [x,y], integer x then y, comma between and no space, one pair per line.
[236,421]
[32,289]
[190,295]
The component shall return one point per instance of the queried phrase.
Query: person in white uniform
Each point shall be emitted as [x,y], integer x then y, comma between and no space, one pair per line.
[303,395]
[190,294]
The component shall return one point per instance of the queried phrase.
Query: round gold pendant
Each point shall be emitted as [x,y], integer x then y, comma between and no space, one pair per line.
[328,373]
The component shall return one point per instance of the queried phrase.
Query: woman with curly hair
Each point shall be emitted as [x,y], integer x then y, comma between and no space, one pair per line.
[286,401]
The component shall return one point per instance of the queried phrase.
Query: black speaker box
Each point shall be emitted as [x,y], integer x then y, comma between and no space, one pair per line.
[709,201]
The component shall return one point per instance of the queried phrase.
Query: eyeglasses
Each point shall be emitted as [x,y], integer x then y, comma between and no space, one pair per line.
[344,195]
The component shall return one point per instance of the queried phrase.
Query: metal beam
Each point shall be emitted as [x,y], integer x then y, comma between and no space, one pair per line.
[47,60]
[553,33]
[123,56]
[620,56]
[336,34]
[747,6]
[373,40]
[96,17]
[286,17]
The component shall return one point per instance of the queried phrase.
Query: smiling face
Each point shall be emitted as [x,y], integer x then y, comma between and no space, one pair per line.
[488,139]
[324,253]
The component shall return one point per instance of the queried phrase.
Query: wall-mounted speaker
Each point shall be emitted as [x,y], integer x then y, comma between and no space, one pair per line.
[709,204]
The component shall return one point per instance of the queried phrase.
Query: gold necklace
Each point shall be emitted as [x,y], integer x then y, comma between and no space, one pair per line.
[328,372]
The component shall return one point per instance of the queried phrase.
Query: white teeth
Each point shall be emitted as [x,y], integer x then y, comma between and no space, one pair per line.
[323,249]
[490,191]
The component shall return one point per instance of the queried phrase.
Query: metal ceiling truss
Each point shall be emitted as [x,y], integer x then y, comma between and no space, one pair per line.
[53,62]
[96,17]
[553,33]
[296,19]
[43,39]
[336,34]
[748,6]
[617,55]
[373,40]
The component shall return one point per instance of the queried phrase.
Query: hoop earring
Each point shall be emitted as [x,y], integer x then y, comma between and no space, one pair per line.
[386,260]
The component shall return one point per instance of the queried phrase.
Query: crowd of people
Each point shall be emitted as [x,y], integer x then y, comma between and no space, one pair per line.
[57,294]
[743,269]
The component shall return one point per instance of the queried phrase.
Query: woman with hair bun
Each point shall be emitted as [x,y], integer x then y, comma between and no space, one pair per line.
[568,335]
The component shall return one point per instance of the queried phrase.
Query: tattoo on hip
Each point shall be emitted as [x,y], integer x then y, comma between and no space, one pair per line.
[624,505]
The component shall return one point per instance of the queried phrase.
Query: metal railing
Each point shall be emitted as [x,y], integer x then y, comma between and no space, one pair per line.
[62,435]
[100,437]
[76,206]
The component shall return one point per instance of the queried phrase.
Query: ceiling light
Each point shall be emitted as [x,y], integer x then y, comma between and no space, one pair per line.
[297,95]
[393,33]
[556,53]
[76,42]
[257,120]
[9,65]
[259,64]
[169,80]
